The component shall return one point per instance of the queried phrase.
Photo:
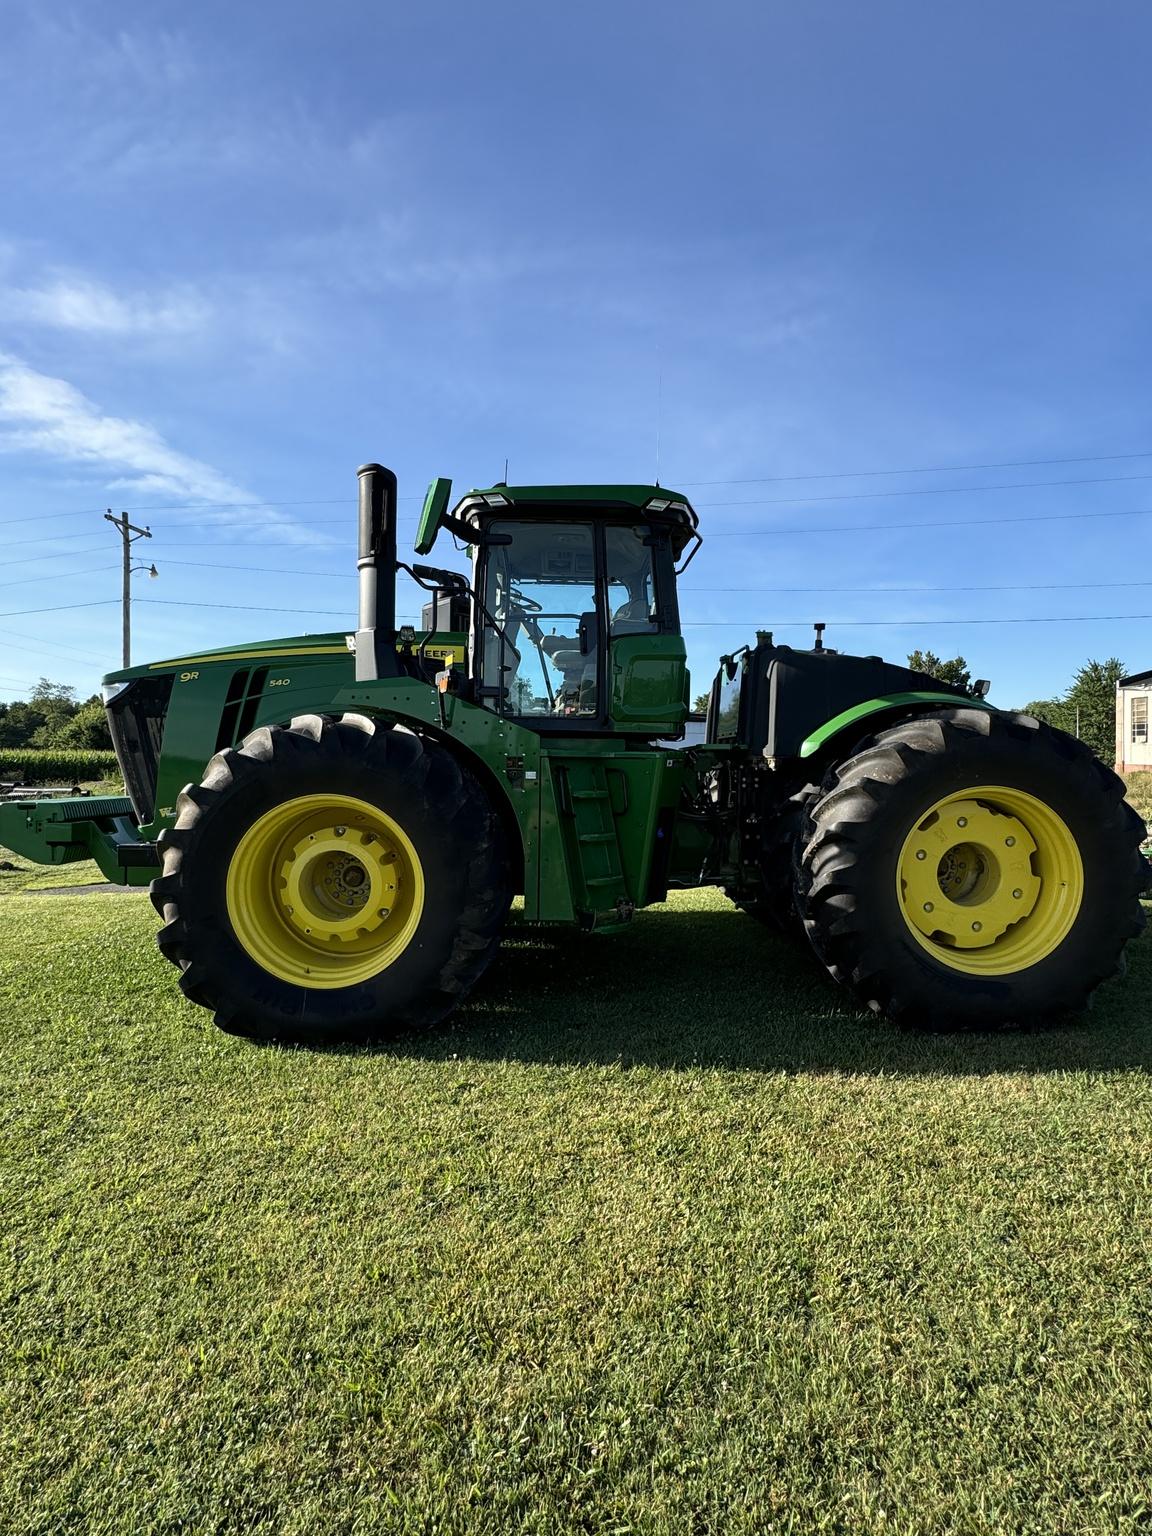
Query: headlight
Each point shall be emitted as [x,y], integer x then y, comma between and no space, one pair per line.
[110,691]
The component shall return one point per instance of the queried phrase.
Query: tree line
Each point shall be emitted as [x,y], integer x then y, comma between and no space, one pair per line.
[1086,708]
[52,716]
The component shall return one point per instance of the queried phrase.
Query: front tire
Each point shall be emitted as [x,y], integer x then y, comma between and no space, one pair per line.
[968,869]
[331,881]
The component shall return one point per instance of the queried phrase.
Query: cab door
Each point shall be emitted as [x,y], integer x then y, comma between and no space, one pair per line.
[647,657]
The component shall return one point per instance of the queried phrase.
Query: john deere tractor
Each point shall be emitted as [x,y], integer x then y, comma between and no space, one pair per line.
[333,827]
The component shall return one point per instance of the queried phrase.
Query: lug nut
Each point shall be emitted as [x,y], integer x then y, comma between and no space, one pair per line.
[920,854]
[927,906]
[976,927]
[1017,894]
[961,821]
[1009,842]
[339,831]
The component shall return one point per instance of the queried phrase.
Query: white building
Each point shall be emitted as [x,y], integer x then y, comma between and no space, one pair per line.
[1134,722]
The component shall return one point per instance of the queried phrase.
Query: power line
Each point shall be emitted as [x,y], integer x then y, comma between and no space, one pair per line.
[1026,586]
[778,501]
[55,555]
[267,570]
[924,469]
[845,474]
[964,522]
[264,570]
[91,570]
[886,623]
[903,623]
[746,533]
[270,570]
[311,573]
[223,527]
[102,602]
[172,602]
[257,538]
[751,480]
[67,651]
[196,506]
[936,490]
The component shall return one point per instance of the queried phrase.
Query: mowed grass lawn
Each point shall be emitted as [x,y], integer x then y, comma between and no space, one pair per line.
[659,1237]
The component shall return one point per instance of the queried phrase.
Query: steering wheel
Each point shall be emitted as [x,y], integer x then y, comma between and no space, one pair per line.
[525,604]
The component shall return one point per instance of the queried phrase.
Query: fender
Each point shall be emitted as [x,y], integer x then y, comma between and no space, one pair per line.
[503,755]
[563,803]
[851,717]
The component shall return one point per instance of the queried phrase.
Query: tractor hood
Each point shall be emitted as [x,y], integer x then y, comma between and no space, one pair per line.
[305,646]
[168,717]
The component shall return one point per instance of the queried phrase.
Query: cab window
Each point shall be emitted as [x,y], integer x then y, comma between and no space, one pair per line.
[728,714]
[541,656]
[631,586]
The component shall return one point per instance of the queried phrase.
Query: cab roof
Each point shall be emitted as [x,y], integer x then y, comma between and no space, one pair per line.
[653,503]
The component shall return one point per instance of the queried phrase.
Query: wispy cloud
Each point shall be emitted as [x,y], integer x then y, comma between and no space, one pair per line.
[75,303]
[151,58]
[44,415]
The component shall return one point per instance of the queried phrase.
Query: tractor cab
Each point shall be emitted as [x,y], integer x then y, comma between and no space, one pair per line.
[574,621]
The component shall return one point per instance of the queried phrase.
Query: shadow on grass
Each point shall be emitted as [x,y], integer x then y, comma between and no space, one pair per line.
[713,989]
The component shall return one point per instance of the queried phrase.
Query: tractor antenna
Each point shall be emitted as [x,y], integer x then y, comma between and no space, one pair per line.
[819,628]
[659,404]
[505,470]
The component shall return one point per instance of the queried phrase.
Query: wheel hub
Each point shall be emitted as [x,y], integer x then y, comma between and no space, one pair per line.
[990,880]
[338,884]
[325,890]
[967,874]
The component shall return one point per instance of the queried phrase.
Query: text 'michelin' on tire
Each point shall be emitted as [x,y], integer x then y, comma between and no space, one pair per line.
[969,869]
[331,880]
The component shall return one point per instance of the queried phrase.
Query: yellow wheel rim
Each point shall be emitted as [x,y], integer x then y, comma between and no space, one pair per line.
[325,891]
[990,880]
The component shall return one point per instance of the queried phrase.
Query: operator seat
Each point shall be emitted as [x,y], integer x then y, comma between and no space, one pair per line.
[578,668]
[632,618]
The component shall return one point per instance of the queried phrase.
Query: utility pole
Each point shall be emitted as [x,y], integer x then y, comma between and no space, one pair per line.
[129,533]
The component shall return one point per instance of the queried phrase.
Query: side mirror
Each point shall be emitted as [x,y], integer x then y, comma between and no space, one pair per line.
[432,514]
[729,667]
[587,633]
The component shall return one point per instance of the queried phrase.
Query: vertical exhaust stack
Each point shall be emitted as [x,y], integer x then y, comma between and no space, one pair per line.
[376,563]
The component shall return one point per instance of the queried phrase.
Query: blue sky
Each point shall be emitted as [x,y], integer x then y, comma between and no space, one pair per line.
[245,248]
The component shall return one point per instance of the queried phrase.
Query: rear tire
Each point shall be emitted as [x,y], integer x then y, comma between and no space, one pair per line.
[970,870]
[331,881]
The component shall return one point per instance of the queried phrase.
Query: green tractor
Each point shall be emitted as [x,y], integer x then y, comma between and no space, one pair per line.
[334,827]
